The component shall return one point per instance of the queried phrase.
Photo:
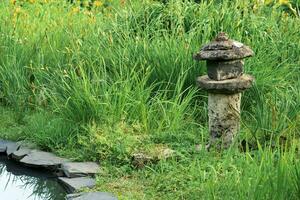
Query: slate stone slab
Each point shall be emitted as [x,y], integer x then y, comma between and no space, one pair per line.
[75,184]
[79,169]
[42,159]
[2,146]
[8,147]
[91,196]
[20,153]
[27,144]
[11,147]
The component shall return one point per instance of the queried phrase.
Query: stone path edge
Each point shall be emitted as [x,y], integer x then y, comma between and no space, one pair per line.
[66,171]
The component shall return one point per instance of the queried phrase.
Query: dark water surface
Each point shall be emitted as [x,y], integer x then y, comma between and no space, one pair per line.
[21,183]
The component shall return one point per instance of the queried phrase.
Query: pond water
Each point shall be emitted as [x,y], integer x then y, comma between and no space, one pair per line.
[21,183]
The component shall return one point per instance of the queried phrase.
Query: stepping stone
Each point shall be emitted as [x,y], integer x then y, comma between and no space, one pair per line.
[74,184]
[21,153]
[79,169]
[91,196]
[11,147]
[8,146]
[24,149]
[42,159]
[27,144]
[2,146]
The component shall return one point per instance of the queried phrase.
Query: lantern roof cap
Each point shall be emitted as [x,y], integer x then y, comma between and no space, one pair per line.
[223,48]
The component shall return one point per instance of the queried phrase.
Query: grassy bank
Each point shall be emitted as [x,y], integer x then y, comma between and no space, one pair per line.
[104,83]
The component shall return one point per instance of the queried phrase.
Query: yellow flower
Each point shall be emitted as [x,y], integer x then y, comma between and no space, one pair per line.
[13,1]
[75,10]
[18,10]
[98,3]
[284,2]
[267,2]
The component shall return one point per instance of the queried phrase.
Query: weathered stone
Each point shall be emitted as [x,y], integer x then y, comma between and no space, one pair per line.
[139,160]
[58,173]
[8,146]
[27,144]
[198,147]
[75,184]
[225,82]
[221,70]
[156,154]
[11,147]
[224,118]
[20,153]
[36,158]
[25,147]
[91,196]
[42,159]
[222,48]
[228,86]
[3,146]
[79,169]
[164,154]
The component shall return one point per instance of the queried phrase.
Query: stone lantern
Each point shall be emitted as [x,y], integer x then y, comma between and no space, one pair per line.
[224,82]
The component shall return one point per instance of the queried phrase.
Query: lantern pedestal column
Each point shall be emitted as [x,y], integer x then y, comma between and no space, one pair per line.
[224,102]
[224,118]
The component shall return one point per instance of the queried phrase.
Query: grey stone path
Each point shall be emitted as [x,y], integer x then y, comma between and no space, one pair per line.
[76,184]
[38,158]
[79,169]
[20,153]
[78,175]
[8,147]
[91,196]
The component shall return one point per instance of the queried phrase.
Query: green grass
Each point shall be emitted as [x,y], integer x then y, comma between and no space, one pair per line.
[103,84]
